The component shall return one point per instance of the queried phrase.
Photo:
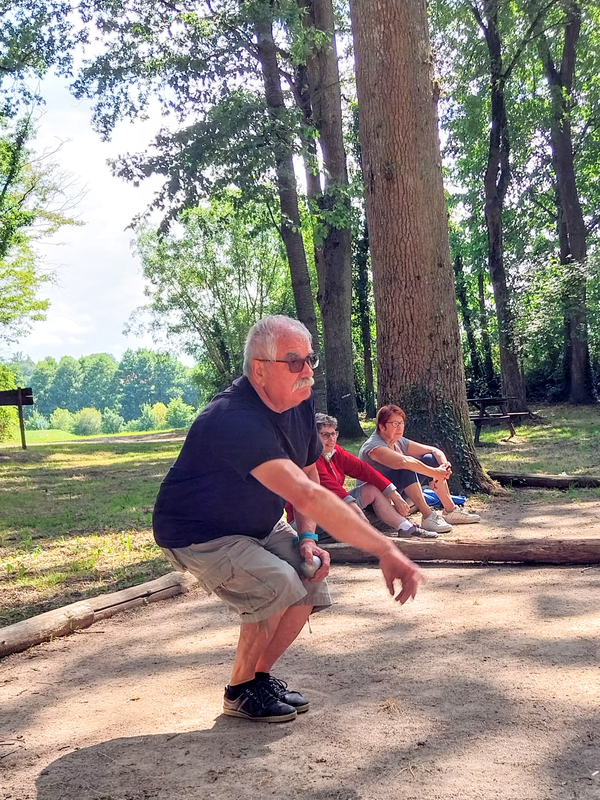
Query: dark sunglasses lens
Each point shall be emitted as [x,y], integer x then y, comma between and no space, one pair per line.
[296,364]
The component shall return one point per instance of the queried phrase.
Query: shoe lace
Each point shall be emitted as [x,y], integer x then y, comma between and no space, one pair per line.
[262,692]
[277,686]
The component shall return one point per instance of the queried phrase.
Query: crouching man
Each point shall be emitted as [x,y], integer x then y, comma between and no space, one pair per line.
[218,514]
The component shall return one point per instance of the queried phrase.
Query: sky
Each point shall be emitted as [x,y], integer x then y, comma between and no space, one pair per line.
[98,277]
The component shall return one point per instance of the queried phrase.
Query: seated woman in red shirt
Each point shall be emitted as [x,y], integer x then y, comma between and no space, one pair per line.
[335,464]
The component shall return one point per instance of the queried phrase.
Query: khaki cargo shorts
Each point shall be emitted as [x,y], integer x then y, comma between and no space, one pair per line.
[255,577]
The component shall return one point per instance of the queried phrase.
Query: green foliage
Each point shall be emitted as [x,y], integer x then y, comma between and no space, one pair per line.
[41,383]
[36,421]
[152,418]
[530,216]
[32,202]
[159,415]
[136,380]
[9,419]
[209,284]
[35,35]
[62,420]
[112,422]
[97,381]
[66,384]
[87,422]
[179,414]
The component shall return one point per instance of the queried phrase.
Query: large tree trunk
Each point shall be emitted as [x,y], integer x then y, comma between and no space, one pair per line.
[291,226]
[560,82]
[418,342]
[497,178]
[335,291]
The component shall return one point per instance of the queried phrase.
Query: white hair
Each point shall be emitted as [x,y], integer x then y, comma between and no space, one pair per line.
[263,336]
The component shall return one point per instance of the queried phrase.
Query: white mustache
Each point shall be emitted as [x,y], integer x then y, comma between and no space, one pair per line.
[301,382]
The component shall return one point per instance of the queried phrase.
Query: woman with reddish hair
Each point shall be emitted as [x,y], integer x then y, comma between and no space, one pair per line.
[402,461]
[335,464]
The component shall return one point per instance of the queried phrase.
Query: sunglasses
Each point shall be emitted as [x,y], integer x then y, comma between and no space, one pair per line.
[296,364]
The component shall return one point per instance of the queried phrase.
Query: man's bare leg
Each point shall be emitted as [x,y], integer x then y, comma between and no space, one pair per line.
[254,639]
[292,622]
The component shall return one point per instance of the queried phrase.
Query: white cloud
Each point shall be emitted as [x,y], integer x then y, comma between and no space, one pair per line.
[99,281]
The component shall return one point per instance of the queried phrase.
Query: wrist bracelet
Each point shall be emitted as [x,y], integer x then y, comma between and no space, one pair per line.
[308,535]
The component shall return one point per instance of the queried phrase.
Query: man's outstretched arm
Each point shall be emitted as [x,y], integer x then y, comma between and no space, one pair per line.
[284,478]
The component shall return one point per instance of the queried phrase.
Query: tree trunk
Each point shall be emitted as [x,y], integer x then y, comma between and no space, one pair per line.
[311,170]
[362,291]
[335,291]
[496,180]
[418,344]
[461,294]
[291,226]
[560,82]
[491,379]
[565,260]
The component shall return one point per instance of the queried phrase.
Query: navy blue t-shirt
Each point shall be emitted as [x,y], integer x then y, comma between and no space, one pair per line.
[209,491]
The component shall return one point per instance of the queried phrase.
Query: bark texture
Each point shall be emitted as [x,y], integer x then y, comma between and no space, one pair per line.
[523,551]
[574,250]
[491,379]
[461,294]
[418,343]
[496,181]
[364,314]
[291,227]
[335,290]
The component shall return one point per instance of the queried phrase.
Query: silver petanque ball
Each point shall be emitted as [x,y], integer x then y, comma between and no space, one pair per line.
[308,570]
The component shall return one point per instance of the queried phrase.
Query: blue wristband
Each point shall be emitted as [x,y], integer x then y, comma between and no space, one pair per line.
[308,535]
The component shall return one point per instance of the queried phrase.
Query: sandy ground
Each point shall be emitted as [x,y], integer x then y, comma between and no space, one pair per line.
[487,686]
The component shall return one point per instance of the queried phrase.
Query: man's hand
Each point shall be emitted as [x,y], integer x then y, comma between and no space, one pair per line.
[396,567]
[308,549]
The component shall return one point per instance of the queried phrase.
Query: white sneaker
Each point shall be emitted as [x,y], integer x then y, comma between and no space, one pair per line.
[435,523]
[460,516]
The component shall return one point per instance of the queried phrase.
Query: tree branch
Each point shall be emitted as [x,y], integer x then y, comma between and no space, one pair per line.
[527,38]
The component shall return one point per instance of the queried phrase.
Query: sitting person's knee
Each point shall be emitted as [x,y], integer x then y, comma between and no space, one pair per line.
[429,460]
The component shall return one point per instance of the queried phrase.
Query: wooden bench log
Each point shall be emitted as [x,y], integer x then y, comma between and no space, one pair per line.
[51,625]
[545,481]
[519,551]
[62,621]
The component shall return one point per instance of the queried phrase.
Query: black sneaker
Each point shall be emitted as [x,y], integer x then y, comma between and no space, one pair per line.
[259,704]
[282,693]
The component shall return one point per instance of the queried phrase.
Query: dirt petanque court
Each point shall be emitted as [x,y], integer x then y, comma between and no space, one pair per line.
[487,686]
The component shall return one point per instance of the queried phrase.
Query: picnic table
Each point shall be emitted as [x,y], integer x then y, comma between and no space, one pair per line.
[486,418]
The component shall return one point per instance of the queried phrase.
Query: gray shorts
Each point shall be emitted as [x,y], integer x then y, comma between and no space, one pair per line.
[355,493]
[255,577]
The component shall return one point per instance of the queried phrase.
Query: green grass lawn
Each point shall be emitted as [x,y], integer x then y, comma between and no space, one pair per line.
[566,440]
[75,517]
[75,520]
[51,435]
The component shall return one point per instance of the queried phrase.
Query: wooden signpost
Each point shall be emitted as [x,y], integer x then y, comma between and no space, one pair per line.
[19,398]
